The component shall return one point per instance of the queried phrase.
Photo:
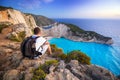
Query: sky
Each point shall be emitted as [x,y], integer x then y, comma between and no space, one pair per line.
[67,8]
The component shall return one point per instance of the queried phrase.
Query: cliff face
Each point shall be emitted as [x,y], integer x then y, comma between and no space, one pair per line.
[74,33]
[42,20]
[21,22]
[16,18]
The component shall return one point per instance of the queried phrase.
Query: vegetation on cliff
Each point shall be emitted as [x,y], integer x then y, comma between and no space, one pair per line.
[75,28]
[43,70]
[4,25]
[4,8]
[41,20]
[73,55]
[19,37]
[88,35]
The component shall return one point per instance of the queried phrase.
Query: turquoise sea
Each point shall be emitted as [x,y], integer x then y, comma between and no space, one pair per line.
[107,56]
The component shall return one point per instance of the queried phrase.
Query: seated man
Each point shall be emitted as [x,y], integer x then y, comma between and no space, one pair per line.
[35,46]
[42,45]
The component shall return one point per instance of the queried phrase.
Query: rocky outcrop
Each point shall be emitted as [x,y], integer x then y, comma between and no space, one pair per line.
[19,32]
[76,71]
[21,21]
[42,20]
[57,30]
[16,17]
[14,67]
[74,33]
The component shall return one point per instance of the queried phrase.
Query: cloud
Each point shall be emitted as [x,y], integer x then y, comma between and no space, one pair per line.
[31,4]
[48,1]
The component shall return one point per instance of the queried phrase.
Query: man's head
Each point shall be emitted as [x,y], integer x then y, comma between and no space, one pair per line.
[37,31]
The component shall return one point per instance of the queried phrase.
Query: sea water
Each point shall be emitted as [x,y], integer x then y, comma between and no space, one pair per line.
[107,56]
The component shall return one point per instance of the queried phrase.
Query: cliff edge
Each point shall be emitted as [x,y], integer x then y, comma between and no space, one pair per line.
[49,67]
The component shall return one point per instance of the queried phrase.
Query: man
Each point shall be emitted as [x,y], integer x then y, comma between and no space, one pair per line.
[42,45]
[35,46]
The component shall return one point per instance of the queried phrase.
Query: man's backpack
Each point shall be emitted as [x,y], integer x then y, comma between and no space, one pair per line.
[28,48]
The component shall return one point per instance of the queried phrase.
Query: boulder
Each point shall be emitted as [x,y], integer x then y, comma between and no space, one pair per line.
[11,75]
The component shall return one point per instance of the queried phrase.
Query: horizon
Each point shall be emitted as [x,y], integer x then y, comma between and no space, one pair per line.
[80,9]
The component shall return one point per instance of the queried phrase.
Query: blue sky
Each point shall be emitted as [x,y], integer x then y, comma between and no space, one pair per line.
[67,8]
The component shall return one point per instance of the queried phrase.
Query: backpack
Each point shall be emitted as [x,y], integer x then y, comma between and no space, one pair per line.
[28,48]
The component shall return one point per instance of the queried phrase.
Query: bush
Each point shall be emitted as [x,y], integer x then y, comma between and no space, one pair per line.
[39,75]
[56,50]
[60,56]
[4,25]
[45,67]
[4,8]
[1,28]
[43,70]
[75,28]
[73,55]
[20,36]
[77,55]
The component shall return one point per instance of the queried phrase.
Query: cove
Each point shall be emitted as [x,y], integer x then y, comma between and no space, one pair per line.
[106,56]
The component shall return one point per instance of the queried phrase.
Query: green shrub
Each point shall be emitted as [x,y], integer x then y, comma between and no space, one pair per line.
[45,67]
[1,28]
[4,8]
[4,25]
[55,49]
[39,75]
[13,38]
[58,52]
[43,70]
[75,28]
[20,36]
[77,55]
[73,55]
[60,56]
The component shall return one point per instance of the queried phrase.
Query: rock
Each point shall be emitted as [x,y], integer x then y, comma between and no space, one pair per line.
[13,60]
[57,31]
[16,17]
[42,20]
[5,50]
[52,68]
[76,71]
[28,74]
[11,75]
[74,63]
[61,73]
[20,68]
[62,30]
[20,28]
[8,50]
[13,46]
[110,41]
[61,65]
